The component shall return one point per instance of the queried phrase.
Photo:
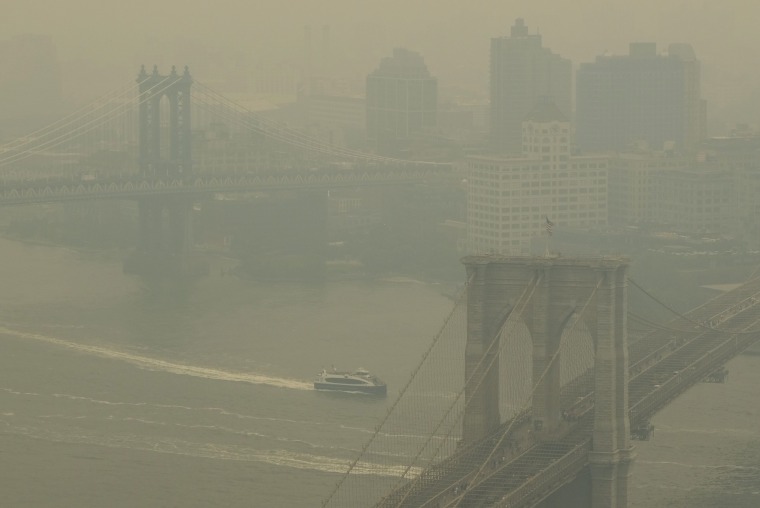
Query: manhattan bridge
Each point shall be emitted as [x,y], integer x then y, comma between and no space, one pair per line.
[170,141]
[532,392]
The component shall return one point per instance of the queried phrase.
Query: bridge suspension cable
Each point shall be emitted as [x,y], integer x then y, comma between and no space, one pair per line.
[480,371]
[71,118]
[479,477]
[474,383]
[235,118]
[434,482]
[119,105]
[444,426]
[121,109]
[279,132]
[43,141]
[404,390]
[653,325]
[488,489]
[480,461]
[276,131]
[701,323]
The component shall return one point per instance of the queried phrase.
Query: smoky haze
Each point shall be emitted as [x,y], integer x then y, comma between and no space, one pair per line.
[176,319]
[100,43]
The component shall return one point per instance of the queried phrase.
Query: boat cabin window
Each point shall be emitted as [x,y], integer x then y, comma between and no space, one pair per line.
[346,380]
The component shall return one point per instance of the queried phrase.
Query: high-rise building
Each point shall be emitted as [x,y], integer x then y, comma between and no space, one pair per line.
[510,199]
[30,84]
[402,101]
[642,96]
[522,71]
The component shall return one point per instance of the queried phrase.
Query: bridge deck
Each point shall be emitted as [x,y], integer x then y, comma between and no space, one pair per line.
[50,190]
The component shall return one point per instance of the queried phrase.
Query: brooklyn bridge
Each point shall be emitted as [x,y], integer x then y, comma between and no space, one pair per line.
[554,393]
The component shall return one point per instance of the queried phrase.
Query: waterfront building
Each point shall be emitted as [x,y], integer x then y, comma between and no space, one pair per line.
[709,192]
[699,199]
[632,182]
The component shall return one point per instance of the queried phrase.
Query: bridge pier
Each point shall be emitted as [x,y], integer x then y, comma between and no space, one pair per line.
[547,293]
[612,454]
[546,333]
[165,226]
[165,241]
[481,416]
[165,221]
[151,226]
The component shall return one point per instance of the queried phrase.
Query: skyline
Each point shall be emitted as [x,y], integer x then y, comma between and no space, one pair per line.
[453,39]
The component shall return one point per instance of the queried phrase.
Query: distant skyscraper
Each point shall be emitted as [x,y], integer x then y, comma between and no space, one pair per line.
[402,100]
[30,84]
[522,71]
[638,97]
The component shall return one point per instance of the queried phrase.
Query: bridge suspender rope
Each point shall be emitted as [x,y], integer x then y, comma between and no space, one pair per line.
[477,370]
[712,348]
[37,144]
[97,114]
[252,122]
[275,131]
[378,428]
[70,118]
[86,127]
[120,110]
[481,486]
[457,500]
[744,329]
[235,119]
[752,300]
[279,132]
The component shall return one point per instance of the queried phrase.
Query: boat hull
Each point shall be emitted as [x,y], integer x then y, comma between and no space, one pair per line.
[337,387]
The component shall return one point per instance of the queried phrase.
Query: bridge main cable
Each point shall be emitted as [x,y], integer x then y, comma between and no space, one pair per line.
[509,323]
[480,479]
[286,135]
[404,390]
[86,127]
[70,118]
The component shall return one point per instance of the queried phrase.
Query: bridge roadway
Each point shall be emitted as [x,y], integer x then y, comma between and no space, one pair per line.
[663,364]
[49,190]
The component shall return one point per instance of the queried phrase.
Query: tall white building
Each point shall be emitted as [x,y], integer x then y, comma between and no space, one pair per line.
[509,199]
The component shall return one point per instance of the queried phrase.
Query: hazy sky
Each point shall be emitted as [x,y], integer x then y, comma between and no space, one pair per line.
[452,35]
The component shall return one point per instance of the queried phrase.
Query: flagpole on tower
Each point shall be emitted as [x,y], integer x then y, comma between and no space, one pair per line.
[549,227]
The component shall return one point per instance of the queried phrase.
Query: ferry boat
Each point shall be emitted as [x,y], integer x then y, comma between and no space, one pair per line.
[360,381]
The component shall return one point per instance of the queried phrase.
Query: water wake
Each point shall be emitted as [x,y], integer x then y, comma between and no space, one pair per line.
[212,410]
[156,364]
[277,457]
[727,467]
[723,431]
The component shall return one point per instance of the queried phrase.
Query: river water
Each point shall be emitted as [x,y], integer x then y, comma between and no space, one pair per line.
[117,393]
